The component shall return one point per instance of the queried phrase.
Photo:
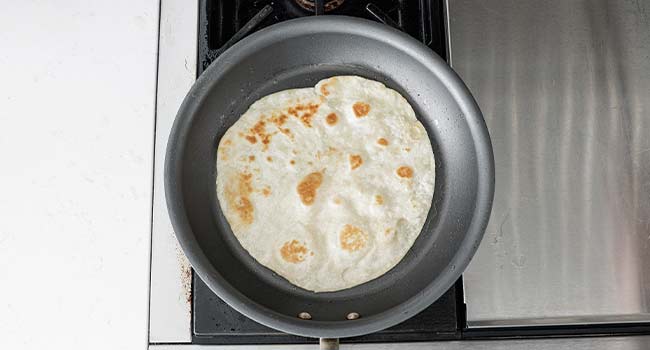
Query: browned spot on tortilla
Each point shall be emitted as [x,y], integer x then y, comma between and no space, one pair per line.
[293,252]
[251,158]
[269,158]
[307,116]
[237,193]
[379,199]
[266,191]
[352,238]
[308,186]
[331,119]
[279,120]
[382,141]
[324,86]
[250,138]
[292,162]
[388,231]
[223,152]
[407,149]
[311,253]
[337,200]
[323,89]
[259,129]
[361,109]
[287,132]
[244,209]
[405,171]
[355,161]
[304,112]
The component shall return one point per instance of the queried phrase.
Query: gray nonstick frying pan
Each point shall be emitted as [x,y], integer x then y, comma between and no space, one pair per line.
[299,53]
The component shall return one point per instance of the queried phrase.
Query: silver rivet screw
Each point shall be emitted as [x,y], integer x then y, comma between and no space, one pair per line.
[352,316]
[304,315]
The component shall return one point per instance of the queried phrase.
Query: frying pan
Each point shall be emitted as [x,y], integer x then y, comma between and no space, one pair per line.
[299,53]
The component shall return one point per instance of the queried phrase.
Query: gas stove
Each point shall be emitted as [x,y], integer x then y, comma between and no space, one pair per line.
[222,24]
[563,98]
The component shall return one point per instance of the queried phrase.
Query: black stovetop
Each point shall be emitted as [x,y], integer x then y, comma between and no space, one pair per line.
[224,22]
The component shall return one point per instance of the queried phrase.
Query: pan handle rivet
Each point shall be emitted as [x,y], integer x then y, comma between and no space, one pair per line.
[304,315]
[352,316]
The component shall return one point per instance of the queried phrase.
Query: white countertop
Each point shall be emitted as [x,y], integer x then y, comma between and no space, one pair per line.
[77,92]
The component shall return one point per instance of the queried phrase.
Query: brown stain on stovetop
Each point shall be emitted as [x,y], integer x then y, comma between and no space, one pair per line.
[186,277]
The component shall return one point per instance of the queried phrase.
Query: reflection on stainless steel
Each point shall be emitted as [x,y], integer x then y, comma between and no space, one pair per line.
[565,90]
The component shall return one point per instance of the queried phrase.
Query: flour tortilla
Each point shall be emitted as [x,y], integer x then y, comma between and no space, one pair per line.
[328,186]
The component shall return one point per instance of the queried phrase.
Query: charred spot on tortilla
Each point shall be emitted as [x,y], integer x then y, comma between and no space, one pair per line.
[307,188]
[279,120]
[238,197]
[352,238]
[293,252]
[304,112]
[355,161]
[331,119]
[405,171]
[361,109]
[251,139]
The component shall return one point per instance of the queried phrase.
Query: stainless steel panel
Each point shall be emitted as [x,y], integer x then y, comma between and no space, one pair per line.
[565,89]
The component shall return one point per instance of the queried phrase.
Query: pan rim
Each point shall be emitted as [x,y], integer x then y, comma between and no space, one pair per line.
[391,316]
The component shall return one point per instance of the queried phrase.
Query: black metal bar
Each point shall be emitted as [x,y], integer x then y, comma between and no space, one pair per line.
[611,329]
[319,7]
[245,30]
[400,13]
[382,16]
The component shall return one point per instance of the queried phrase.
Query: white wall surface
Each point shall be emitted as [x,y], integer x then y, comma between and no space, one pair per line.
[77,98]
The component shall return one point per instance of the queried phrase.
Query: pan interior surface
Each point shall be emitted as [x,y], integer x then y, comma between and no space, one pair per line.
[298,54]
